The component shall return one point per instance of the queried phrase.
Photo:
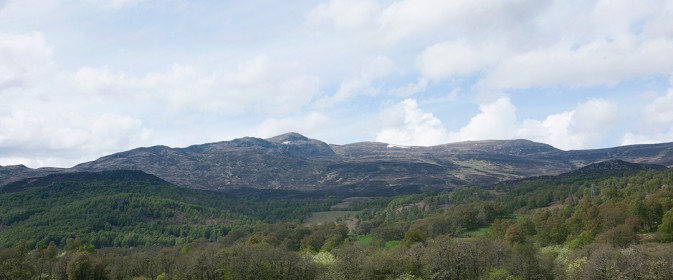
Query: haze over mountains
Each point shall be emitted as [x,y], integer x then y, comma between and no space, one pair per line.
[294,162]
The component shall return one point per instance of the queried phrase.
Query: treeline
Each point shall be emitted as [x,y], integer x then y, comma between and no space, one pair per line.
[442,257]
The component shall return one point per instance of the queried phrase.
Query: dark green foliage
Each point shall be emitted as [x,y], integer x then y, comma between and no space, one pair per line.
[130,209]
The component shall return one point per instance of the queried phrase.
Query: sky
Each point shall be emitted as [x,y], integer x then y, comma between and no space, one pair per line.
[80,79]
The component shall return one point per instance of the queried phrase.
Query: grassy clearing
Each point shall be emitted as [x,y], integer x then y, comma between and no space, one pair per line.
[363,239]
[367,240]
[478,232]
[392,244]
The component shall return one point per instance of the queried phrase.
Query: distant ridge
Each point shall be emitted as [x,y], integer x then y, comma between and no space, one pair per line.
[615,165]
[117,176]
[292,161]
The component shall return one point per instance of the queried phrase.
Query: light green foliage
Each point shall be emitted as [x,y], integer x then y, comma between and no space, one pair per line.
[666,227]
[324,258]
[574,268]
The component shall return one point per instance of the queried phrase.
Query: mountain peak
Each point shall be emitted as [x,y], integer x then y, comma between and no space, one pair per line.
[288,137]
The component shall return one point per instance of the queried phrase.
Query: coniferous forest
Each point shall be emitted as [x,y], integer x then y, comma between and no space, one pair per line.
[130,225]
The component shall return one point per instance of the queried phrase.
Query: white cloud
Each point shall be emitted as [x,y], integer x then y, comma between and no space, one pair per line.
[496,120]
[525,44]
[582,127]
[453,58]
[116,4]
[256,85]
[310,123]
[410,89]
[406,124]
[100,81]
[403,18]
[194,68]
[650,138]
[372,70]
[347,14]
[657,122]
[461,18]
[599,62]
[23,59]
[45,136]
[660,110]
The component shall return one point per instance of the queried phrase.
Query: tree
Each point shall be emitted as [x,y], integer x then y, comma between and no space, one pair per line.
[665,229]
[525,262]
[621,236]
[514,234]
[82,266]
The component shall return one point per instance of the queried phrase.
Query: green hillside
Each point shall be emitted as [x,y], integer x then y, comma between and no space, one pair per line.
[595,224]
[130,208]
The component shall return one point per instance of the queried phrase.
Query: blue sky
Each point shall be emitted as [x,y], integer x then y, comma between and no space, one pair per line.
[80,79]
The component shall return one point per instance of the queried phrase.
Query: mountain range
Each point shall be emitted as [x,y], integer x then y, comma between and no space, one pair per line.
[294,162]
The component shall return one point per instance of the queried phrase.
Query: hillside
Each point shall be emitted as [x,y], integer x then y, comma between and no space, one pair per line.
[294,162]
[130,208]
[593,224]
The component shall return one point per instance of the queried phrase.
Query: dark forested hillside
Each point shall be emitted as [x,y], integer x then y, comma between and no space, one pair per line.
[594,224]
[132,208]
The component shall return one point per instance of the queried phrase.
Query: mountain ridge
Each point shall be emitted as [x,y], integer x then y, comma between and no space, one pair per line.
[295,162]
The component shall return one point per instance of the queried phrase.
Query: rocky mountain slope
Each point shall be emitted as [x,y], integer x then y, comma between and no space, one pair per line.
[15,173]
[292,161]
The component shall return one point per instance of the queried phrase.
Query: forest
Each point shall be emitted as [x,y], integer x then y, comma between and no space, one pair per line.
[582,226]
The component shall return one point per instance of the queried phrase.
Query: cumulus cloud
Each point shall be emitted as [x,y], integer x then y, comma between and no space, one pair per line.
[496,120]
[45,136]
[522,44]
[407,124]
[582,127]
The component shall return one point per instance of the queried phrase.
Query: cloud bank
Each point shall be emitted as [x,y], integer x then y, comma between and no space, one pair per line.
[81,79]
